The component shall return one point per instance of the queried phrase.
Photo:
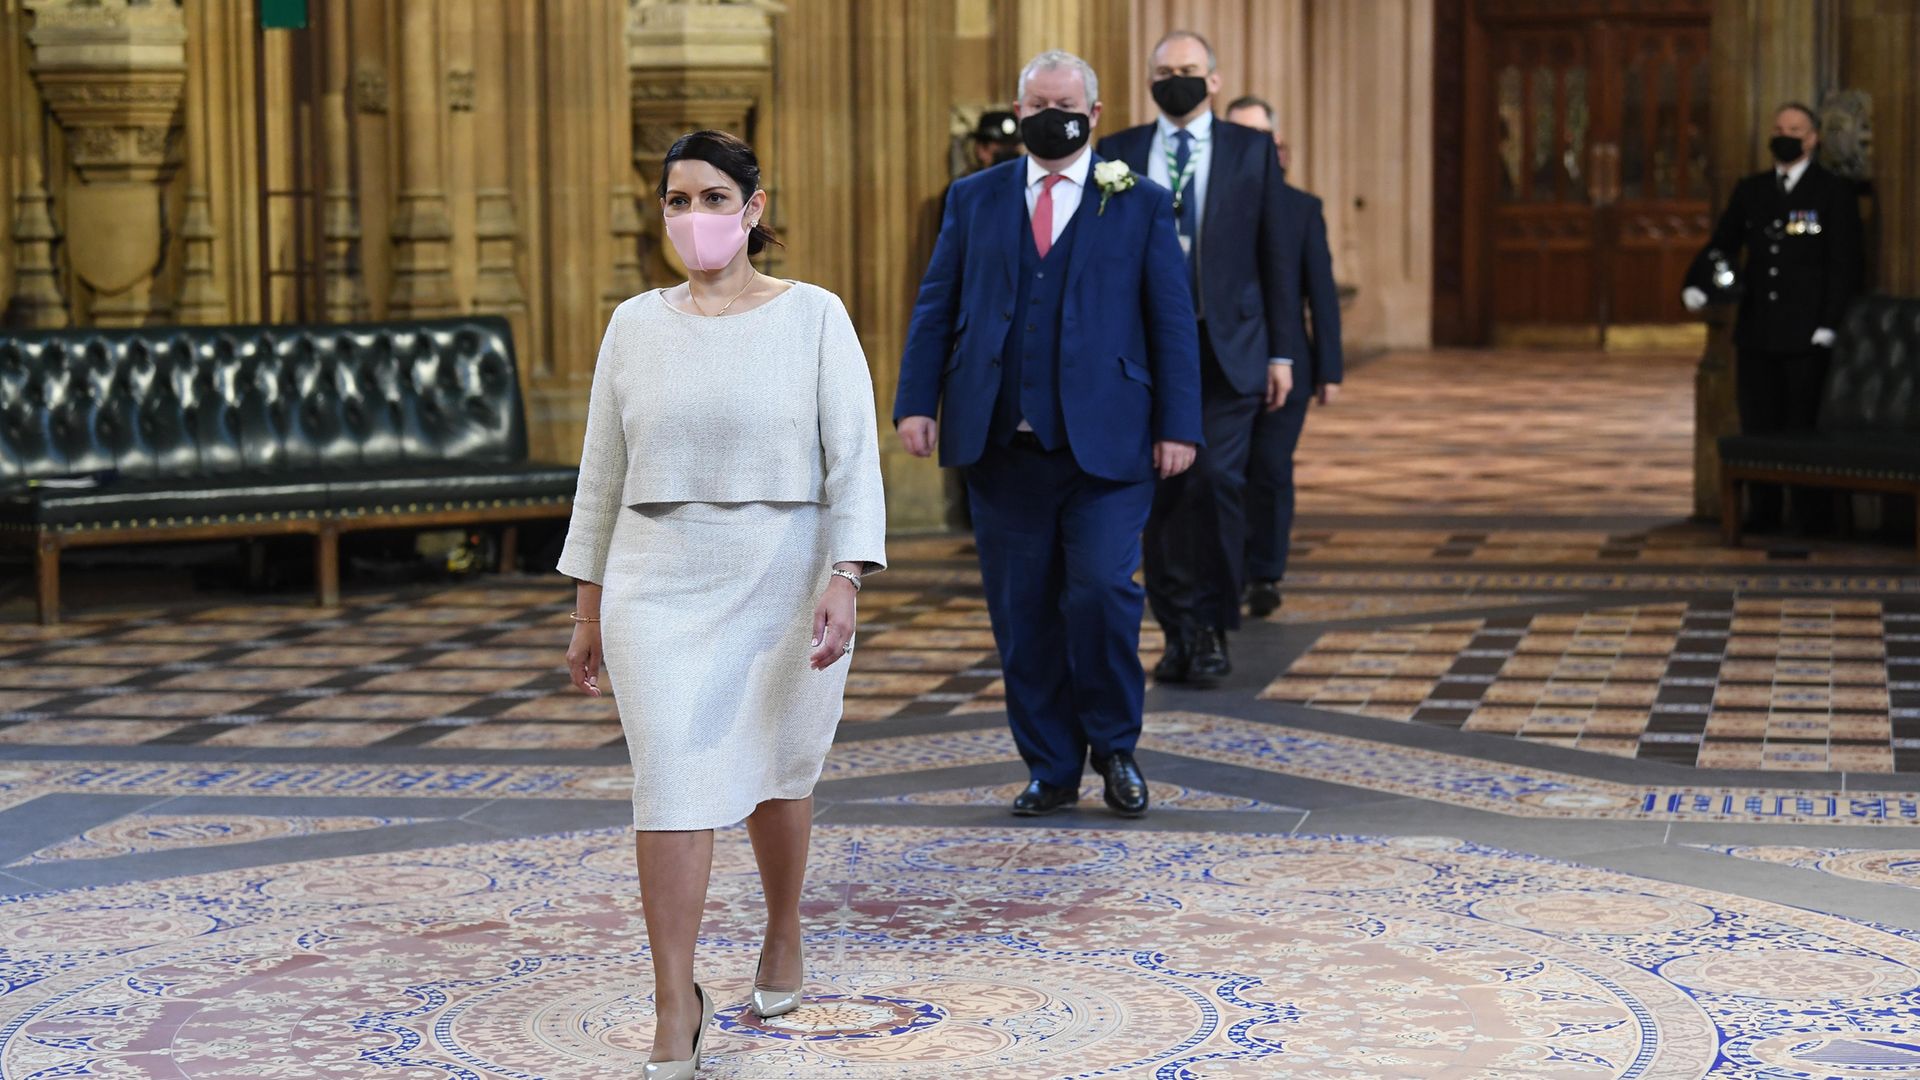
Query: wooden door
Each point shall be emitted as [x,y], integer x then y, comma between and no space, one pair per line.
[1594,192]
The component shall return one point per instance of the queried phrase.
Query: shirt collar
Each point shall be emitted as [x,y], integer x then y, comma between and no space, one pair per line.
[1201,126]
[1793,173]
[1075,173]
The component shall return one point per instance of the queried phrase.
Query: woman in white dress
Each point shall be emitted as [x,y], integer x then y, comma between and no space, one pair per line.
[729,502]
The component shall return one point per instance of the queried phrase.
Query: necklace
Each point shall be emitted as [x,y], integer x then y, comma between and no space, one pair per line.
[723,310]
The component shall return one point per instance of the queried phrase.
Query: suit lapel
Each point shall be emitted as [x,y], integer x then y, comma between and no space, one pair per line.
[1013,214]
[1083,220]
[1219,174]
[1136,146]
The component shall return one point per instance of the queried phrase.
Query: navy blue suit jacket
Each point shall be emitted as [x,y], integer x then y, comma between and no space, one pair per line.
[1249,250]
[1129,357]
[1322,363]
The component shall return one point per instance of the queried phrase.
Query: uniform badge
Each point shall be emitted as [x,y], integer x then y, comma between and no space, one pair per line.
[1803,223]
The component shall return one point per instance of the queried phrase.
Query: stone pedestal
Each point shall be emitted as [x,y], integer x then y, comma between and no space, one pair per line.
[112,73]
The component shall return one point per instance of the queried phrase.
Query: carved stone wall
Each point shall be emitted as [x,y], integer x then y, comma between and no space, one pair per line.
[111,74]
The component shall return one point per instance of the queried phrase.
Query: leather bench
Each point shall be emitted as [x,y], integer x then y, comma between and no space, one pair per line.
[1867,437]
[112,437]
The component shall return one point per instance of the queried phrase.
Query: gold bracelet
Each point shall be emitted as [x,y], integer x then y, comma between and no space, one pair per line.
[577,617]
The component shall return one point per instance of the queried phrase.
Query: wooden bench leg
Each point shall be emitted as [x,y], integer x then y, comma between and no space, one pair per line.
[1729,509]
[46,572]
[326,566]
[509,549]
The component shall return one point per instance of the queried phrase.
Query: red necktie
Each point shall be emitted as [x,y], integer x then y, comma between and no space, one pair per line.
[1043,216]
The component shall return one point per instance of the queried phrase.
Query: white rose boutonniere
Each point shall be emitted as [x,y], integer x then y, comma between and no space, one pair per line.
[1112,178]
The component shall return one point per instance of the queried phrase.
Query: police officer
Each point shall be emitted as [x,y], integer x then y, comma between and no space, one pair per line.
[1800,226]
[996,138]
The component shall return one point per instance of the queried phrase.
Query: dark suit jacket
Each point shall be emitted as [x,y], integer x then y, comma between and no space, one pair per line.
[1794,282]
[1323,362]
[1250,250]
[1129,358]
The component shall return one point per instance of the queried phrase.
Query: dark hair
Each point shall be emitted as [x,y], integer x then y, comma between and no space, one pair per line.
[1805,110]
[731,155]
[1248,101]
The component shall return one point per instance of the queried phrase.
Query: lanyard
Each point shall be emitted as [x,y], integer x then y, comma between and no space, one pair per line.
[1181,179]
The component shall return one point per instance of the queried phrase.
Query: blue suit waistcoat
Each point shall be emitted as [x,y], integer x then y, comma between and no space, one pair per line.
[1128,355]
[1030,370]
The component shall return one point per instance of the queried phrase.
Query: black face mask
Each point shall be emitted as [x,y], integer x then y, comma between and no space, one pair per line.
[1178,95]
[1052,134]
[1786,149]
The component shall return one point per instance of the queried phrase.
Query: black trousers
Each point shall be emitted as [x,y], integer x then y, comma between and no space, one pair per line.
[1778,391]
[1270,486]
[1196,537]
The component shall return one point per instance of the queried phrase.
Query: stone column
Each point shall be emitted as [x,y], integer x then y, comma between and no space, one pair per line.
[497,287]
[693,65]
[36,300]
[900,76]
[112,72]
[344,298]
[422,233]
[202,300]
[1881,58]
[624,215]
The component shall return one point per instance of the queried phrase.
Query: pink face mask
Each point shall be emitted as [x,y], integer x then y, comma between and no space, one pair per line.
[707,241]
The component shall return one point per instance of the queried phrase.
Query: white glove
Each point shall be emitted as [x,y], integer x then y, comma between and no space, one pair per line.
[1693,298]
[1823,338]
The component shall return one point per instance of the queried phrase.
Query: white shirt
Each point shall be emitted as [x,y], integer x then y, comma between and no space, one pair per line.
[1794,172]
[1066,195]
[1202,159]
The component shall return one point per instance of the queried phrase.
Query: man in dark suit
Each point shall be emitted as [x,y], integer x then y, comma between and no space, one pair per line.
[1317,375]
[1243,251]
[1800,226]
[1053,337]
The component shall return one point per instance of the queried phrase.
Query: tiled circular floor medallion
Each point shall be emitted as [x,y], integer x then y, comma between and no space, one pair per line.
[974,954]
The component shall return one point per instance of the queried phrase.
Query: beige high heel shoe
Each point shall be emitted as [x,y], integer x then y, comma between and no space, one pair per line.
[768,1004]
[684,1070]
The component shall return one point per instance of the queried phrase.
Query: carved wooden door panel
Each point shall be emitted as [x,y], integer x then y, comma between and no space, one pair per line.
[1656,191]
[1596,149]
[1545,238]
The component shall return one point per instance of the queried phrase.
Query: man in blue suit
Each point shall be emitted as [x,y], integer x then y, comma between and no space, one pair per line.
[1243,250]
[1317,376]
[1054,340]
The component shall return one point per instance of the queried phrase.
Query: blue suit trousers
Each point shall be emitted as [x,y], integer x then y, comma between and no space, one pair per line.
[1058,548]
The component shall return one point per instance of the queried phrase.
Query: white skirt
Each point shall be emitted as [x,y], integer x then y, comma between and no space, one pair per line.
[706,622]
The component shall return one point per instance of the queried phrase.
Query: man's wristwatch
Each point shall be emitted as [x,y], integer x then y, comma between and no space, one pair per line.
[849,575]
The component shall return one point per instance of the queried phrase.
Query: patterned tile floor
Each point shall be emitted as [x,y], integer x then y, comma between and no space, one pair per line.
[257,839]
[1456,432]
[1734,683]
[967,952]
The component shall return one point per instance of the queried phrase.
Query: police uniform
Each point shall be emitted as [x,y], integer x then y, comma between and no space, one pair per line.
[1803,247]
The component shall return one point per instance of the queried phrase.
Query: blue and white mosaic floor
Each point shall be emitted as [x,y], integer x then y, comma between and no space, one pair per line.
[964,953]
[1544,784]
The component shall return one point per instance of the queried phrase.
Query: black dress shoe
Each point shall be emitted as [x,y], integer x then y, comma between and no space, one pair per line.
[1126,790]
[1041,799]
[1263,598]
[1210,660]
[1177,662]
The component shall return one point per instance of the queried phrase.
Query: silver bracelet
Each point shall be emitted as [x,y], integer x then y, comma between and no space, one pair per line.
[849,575]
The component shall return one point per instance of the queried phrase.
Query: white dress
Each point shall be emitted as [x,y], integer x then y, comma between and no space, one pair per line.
[728,464]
